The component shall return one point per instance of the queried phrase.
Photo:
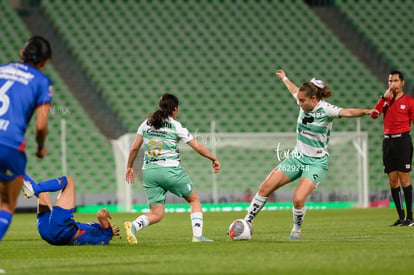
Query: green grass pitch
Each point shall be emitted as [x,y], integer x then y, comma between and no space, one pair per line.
[352,241]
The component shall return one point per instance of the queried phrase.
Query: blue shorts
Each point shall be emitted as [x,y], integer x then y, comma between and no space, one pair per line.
[12,163]
[57,227]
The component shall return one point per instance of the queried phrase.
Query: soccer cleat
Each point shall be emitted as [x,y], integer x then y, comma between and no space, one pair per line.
[201,239]
[130,232]
[399,222]
[295,235]
[408,222]
[29,179]
[27,189]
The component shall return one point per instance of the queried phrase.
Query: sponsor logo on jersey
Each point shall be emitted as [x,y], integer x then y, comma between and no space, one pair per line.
[308,119]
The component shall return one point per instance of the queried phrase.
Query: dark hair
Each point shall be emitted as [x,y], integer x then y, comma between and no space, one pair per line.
[312,90]
[167,104]
[36,50]
[400,75]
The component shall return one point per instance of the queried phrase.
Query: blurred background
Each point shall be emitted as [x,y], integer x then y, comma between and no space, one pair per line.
[112,59]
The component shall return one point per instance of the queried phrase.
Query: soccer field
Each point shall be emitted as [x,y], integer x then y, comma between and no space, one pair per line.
[353,241]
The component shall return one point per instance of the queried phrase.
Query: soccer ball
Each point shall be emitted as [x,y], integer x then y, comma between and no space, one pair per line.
[240,230]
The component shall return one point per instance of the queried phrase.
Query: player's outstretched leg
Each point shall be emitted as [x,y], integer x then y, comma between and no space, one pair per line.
[256,205]
[27,188]
[273,181]
[30,188]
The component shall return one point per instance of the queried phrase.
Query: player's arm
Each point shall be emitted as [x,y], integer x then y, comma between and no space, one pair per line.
[355,112]
[42,115]
[383,101]
[130,174]
[103,218]
[205,153]
[293,89]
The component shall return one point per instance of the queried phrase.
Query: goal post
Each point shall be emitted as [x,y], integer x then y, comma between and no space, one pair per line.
[246,160]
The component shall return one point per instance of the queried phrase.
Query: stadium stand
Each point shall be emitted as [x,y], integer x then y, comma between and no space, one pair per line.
[384,23]
[89,154]
[219,57]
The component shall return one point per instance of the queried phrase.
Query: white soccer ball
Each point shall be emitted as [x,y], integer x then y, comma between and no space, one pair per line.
[240,230]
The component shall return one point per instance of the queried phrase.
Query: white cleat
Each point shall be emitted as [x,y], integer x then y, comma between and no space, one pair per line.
[295,235]
[27,189]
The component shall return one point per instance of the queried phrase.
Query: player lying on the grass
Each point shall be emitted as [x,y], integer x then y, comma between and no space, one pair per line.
[56,224]
[309,162]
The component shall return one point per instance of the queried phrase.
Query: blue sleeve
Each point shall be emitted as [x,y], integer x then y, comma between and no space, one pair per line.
[92,233]
[44,91]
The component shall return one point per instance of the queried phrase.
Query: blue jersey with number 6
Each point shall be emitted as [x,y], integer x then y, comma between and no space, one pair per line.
[22,89]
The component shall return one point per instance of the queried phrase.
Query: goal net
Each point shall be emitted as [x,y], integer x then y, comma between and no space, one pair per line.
[246,160]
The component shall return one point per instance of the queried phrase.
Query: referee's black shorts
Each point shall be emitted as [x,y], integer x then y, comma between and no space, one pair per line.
[397,152]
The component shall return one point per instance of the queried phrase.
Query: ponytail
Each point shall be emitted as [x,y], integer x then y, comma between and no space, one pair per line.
[157,118]
[167,103]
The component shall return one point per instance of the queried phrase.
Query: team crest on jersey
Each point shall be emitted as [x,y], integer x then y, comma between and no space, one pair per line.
[318,114]
[402,106]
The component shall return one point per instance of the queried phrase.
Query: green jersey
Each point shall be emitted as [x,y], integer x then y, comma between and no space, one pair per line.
[160,145]
[314,128]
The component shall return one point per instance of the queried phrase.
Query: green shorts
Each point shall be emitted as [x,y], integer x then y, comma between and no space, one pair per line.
[305,167]
[159,180]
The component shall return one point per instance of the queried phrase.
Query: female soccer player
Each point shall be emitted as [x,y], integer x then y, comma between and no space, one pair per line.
[23,89]
[309,162]
[161,171]
[56,224]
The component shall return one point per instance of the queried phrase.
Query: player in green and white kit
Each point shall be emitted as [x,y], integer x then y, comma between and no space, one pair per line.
[309,161]
[161,171]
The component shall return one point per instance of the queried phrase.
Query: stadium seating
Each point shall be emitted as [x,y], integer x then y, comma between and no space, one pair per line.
[387,24]
[219,57]
[89,155]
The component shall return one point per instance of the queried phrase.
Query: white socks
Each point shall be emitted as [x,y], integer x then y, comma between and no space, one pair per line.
[255,206]
[298,216]
[197,223]
[141,222]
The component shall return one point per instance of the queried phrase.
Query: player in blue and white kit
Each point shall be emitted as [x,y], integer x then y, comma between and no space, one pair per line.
[24,89]
[56,224]
[309,162]
[162,172]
